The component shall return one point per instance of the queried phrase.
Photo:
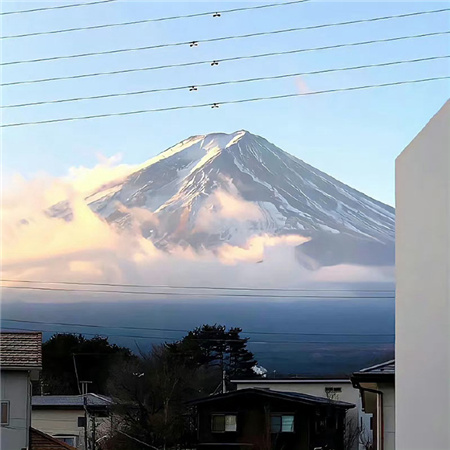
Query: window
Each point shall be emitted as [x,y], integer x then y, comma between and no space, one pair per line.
[5,413]
[71,440]
[81,421]
[333,392]
[221,423]
[333,389]
[282,423]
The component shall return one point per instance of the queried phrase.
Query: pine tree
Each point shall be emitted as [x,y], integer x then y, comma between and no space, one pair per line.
[214,345]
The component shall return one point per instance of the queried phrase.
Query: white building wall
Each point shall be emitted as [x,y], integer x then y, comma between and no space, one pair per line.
[15,388]
[388,415]
[64,422]
[423,289]
[58,423]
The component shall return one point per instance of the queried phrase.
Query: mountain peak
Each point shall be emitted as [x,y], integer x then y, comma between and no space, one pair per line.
[221,140]
[227,187]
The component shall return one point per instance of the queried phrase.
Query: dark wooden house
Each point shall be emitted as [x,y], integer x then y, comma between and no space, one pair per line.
[262,419]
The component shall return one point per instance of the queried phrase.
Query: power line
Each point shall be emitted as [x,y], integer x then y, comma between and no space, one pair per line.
[217,104]
[165,338]
[83,283]
[184,294]
[214,14]
[231,59]
[223,83]
[75,5]
[187,331]
[222,38]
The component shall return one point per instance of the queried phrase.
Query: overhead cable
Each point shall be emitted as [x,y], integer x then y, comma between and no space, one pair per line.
[74,5]
[224,83]
[166,338]
[167,286]
[217,104]
[187,331]
[214,14]
[225,60]
[188,294]
[219,39]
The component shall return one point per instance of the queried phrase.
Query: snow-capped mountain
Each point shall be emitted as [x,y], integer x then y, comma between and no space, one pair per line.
[219,188]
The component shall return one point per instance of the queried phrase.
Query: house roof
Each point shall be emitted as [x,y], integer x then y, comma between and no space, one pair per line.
[386,367]
[70,401]
[379,372]
[290,396]
[42,441]
[21,350]
[296,380]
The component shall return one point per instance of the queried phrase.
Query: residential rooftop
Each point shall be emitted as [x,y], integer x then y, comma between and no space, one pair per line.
[20,350]
[294,380]
[70,401]
[43,441]
[387,367]
[384,372]
[292,396]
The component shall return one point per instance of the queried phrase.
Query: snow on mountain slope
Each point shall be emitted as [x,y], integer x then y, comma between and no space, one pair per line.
[219,188]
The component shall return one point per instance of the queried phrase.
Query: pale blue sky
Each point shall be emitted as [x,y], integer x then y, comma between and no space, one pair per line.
[354,136]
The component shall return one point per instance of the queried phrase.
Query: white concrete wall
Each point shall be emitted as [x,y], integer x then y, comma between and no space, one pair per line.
[15,388]
[423,289]
[349,394]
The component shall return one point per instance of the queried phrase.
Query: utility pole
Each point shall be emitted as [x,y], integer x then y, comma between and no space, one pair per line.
[84,391]
[85,423]
[93,431]
[224,382]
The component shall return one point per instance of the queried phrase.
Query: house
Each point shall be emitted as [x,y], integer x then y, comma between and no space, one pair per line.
[358,423]
[42,441]
[422,300]
[20,364]
[377,387]
[266,419]
[64,417]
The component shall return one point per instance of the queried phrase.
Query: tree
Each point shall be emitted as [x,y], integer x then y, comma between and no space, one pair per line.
[153,392]
[93,359]
[213,345]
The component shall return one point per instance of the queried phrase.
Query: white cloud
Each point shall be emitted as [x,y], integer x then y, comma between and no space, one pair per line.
[87,248]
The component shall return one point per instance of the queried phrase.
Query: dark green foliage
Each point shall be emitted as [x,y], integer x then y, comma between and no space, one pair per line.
[214,345]
[151,390]
[94,359]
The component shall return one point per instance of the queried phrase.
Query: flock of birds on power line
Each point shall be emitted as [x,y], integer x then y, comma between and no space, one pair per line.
[213,63]
[201,291]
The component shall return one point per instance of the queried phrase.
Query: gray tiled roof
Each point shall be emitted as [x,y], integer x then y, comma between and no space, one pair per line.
[20,350]
[387,367]
[70,400]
